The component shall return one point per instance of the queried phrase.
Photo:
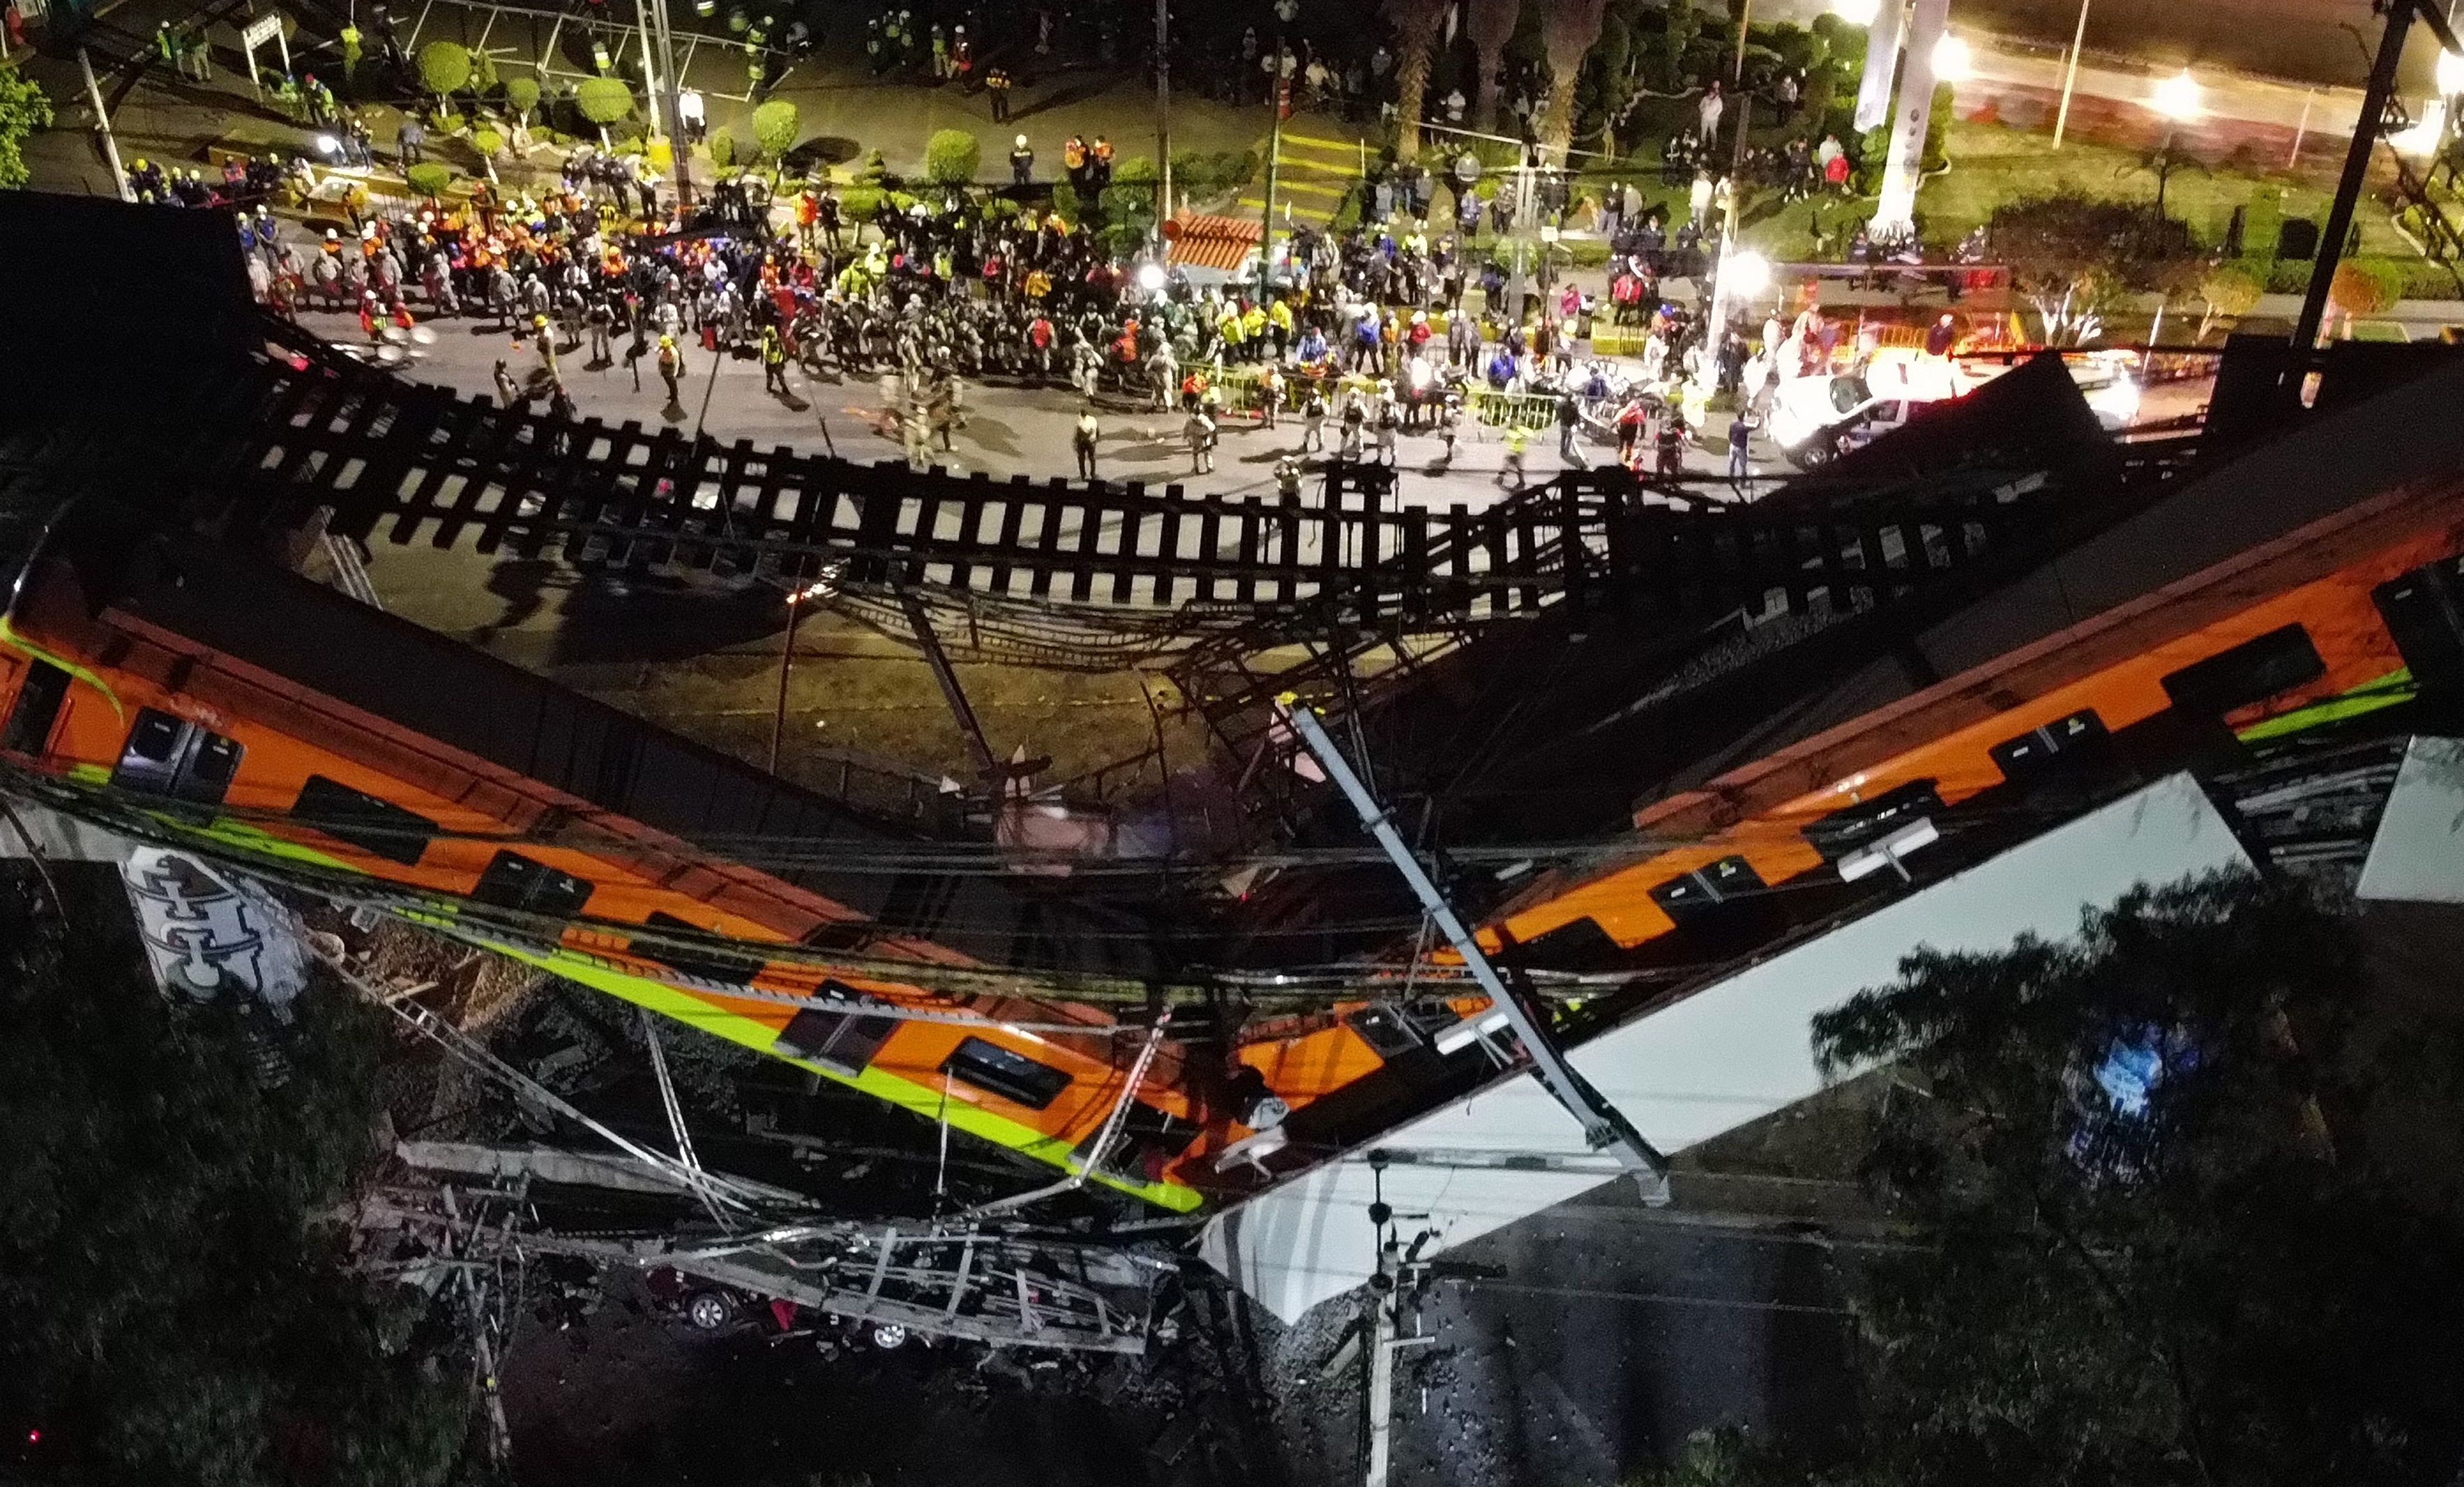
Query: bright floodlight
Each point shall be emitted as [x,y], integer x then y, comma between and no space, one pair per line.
[2451,74]
[1952,61]
[1855,12]
[1749,274]
[2421,140]
[1151,276]
[2177,96]
[327,145]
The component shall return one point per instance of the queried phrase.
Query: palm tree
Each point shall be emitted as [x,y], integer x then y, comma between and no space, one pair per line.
[1568,33]
[1416,26]
[1492,25]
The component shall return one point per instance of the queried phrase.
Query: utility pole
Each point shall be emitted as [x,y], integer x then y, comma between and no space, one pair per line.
[1603,1125]
[659,41]
[650,70]
[102,127]
[2070,77]
[2349,189]
[1274,157]
[1163,111]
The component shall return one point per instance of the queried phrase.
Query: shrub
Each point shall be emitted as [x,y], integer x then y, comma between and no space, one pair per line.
[445,67]
[521,94]
[775,126]
[2230,290]
[1065,201]
[723,149]
[429,178]
[486,140]
[2362,288]
[872,172]
[604,100]
[952,156]
[858,202]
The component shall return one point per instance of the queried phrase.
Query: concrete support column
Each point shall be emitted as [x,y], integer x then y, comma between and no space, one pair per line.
[1882,62]
[1893,214]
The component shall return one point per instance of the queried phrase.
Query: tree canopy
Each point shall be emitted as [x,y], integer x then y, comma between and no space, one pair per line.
[445,67]
[2172,1222]
[173,1305]
[775,126]
[952,156]
[2078,256]
[603,100]
[24,108]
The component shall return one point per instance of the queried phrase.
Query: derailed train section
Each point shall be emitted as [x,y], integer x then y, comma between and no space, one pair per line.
[1776,774]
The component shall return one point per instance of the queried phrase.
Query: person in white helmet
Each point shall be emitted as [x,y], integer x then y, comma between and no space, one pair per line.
[1021,160]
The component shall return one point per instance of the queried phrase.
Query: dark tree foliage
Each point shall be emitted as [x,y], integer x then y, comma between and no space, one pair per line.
[173,1305]
[2245,1278]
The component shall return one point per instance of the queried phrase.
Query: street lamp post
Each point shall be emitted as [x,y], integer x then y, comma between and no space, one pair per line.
[2070,76]
[2178,99]
[1163,110]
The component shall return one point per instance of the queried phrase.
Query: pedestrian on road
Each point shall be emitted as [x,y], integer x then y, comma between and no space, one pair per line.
[774,362]
[1201,432]
[507,393]
[672,370]
[410,140]
[1390,421]
[1083,441]
[1314,420]
[1671,443]
[996,86]
[1516,438]
[1709,111]
[1741,433]
[1353,417]
[1569,419]
[1449,428]
[1022,160]
[1271,396]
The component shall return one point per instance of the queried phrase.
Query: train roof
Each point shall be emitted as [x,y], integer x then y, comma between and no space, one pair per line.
[439,688]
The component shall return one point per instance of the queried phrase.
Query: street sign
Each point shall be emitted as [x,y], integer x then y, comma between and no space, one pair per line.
[260,30]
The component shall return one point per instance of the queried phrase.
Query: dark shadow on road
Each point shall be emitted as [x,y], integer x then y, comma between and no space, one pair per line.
[614,616]
[1066,95]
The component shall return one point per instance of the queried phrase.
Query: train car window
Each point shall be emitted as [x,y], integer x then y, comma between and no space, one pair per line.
[845,1040]
[1145,1144]
[2251,671]
[1843,831]
[169,755]
[378,827]
[2057,745]
[1385,1029]
[2424,611]
[1012,1075]
[37,709]
[710,963]
[516,882]
[1688,897]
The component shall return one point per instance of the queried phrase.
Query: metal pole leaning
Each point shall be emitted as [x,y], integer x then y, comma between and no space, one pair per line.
[2348,189]
[1604,1125]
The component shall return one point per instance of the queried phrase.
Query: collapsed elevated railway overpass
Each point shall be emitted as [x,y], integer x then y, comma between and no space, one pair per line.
[1651,715]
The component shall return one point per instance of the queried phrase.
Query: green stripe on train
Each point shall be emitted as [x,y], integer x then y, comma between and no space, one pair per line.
[924,1100]
[2384,691]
